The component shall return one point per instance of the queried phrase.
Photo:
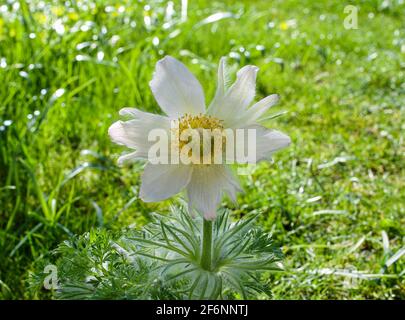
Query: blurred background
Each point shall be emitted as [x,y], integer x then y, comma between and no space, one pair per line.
[334,200]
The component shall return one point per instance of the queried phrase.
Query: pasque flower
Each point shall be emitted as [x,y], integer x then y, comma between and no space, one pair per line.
[181,98]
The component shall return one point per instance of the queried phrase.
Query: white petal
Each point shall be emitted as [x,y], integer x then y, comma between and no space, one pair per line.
[121,134]
[244,89]
[222,83]
[207,186]
[132,156]
[251,115]
[139,154]
[259,108]
[176,90]
[266,143]
[134,133]
[151,119]
[269,141]
[238,97]
[161,181]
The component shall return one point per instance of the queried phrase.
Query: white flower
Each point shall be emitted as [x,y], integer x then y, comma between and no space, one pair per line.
[181,98]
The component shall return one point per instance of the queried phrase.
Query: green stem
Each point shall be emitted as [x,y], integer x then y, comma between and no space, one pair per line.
[206,245]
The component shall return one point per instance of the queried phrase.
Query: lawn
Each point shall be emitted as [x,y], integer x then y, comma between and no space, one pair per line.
[334,200]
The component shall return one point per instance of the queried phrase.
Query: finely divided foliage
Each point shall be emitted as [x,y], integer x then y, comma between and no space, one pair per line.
[162,261]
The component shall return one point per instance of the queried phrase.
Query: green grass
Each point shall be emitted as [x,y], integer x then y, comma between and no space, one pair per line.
[330,199]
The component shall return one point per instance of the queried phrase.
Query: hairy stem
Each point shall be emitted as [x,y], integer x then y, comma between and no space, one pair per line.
[206,245]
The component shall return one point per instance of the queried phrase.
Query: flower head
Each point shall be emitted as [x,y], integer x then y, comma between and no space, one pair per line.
[198,136]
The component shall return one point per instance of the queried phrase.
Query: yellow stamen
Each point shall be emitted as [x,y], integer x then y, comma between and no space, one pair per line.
[212,126]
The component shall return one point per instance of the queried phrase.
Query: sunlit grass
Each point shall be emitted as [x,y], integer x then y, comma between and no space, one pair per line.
[334,200]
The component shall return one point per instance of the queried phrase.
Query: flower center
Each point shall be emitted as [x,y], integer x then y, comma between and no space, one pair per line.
[201,121]
[200,139]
